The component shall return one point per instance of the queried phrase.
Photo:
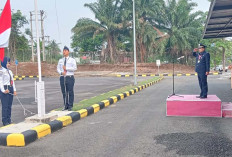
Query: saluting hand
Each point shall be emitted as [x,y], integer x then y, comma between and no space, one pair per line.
[195,50]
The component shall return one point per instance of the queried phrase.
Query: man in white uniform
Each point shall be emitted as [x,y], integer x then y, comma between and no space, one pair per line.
[66,68]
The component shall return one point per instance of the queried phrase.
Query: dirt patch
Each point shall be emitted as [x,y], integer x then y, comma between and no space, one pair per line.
[141,68]
[30,68]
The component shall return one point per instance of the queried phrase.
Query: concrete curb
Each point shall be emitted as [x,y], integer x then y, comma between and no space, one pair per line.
[26,76]
[23,77]
[146,75]
[18,78]
[24,138]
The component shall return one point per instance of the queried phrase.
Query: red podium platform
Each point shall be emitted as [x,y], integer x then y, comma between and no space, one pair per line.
[190,106]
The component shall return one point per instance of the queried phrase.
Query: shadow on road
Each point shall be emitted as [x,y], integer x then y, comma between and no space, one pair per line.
[199,143]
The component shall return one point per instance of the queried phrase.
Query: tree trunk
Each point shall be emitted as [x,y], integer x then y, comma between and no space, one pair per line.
[103,56]
[223,58]
[137,51]
[143,53]
[214,61]
[142,49]
[111,48]
[14,51]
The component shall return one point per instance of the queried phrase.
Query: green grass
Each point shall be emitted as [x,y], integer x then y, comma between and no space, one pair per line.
[95,100]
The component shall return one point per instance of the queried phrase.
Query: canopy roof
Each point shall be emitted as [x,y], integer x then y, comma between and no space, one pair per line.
[219,20]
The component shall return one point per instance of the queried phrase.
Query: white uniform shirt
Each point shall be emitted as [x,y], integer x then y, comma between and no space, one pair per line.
[71,66]
[5,79]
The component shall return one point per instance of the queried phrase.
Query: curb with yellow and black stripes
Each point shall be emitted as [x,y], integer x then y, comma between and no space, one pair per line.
[161,75]
[29,136]
[23,77]
[19,78]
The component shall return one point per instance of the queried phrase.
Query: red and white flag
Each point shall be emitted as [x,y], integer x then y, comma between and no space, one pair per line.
[5,28]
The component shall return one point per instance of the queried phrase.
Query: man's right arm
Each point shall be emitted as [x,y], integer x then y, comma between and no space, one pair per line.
[195,52]
[58,67]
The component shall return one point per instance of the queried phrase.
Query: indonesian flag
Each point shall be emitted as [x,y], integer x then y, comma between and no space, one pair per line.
[5,28]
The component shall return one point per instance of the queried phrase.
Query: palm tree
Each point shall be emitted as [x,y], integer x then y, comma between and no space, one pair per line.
[109,23]
[145,34]
[181,25]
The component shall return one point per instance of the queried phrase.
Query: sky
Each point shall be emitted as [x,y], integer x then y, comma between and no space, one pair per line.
[68,11]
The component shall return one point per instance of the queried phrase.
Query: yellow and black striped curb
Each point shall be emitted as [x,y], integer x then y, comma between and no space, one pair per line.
[22,77]
[26,137]
[19,78]
[161,75]
[26,76]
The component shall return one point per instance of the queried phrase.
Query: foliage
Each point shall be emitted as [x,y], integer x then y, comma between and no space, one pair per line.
[87,44]
[17,40]
[216,48]
[181,25]
[53,50]
[109,24]
[162,27]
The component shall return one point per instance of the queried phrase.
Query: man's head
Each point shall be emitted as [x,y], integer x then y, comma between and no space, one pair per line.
[201,48]
[66,51]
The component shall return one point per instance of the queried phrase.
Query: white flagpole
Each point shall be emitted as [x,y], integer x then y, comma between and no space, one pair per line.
[40,84]
[135,71]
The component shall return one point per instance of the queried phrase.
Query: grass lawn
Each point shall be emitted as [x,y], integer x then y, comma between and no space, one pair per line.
[94,100]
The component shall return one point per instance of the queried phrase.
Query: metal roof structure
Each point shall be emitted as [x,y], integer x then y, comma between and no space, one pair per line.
[219,21]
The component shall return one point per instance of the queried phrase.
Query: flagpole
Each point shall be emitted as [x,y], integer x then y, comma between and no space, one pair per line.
[40,84]
[37,38]
[134,32]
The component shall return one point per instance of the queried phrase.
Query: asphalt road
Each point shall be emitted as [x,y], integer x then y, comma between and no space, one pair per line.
[138,127]
[85,87]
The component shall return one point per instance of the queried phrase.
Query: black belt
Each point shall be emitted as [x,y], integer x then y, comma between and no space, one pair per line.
[67,76]
[8,86]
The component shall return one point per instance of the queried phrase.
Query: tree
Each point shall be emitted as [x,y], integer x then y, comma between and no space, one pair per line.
[145,34]
[87,44]
[220,50]
[182,26]
[54,50]
[17,40]
[161,26]
[107,12]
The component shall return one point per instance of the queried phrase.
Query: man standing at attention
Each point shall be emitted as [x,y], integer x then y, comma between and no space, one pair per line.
[202,68]
[66,67]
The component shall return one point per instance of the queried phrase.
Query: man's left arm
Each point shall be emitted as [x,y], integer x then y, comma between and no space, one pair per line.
[207,58]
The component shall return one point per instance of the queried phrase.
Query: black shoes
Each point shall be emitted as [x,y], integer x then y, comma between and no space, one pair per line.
[5,124]
[65,108]
[201,97]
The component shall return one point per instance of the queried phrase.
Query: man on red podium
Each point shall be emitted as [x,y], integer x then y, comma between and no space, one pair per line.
[202,68]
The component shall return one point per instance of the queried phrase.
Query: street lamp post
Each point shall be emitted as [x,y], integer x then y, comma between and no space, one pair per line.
[40,84]
[134,32]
